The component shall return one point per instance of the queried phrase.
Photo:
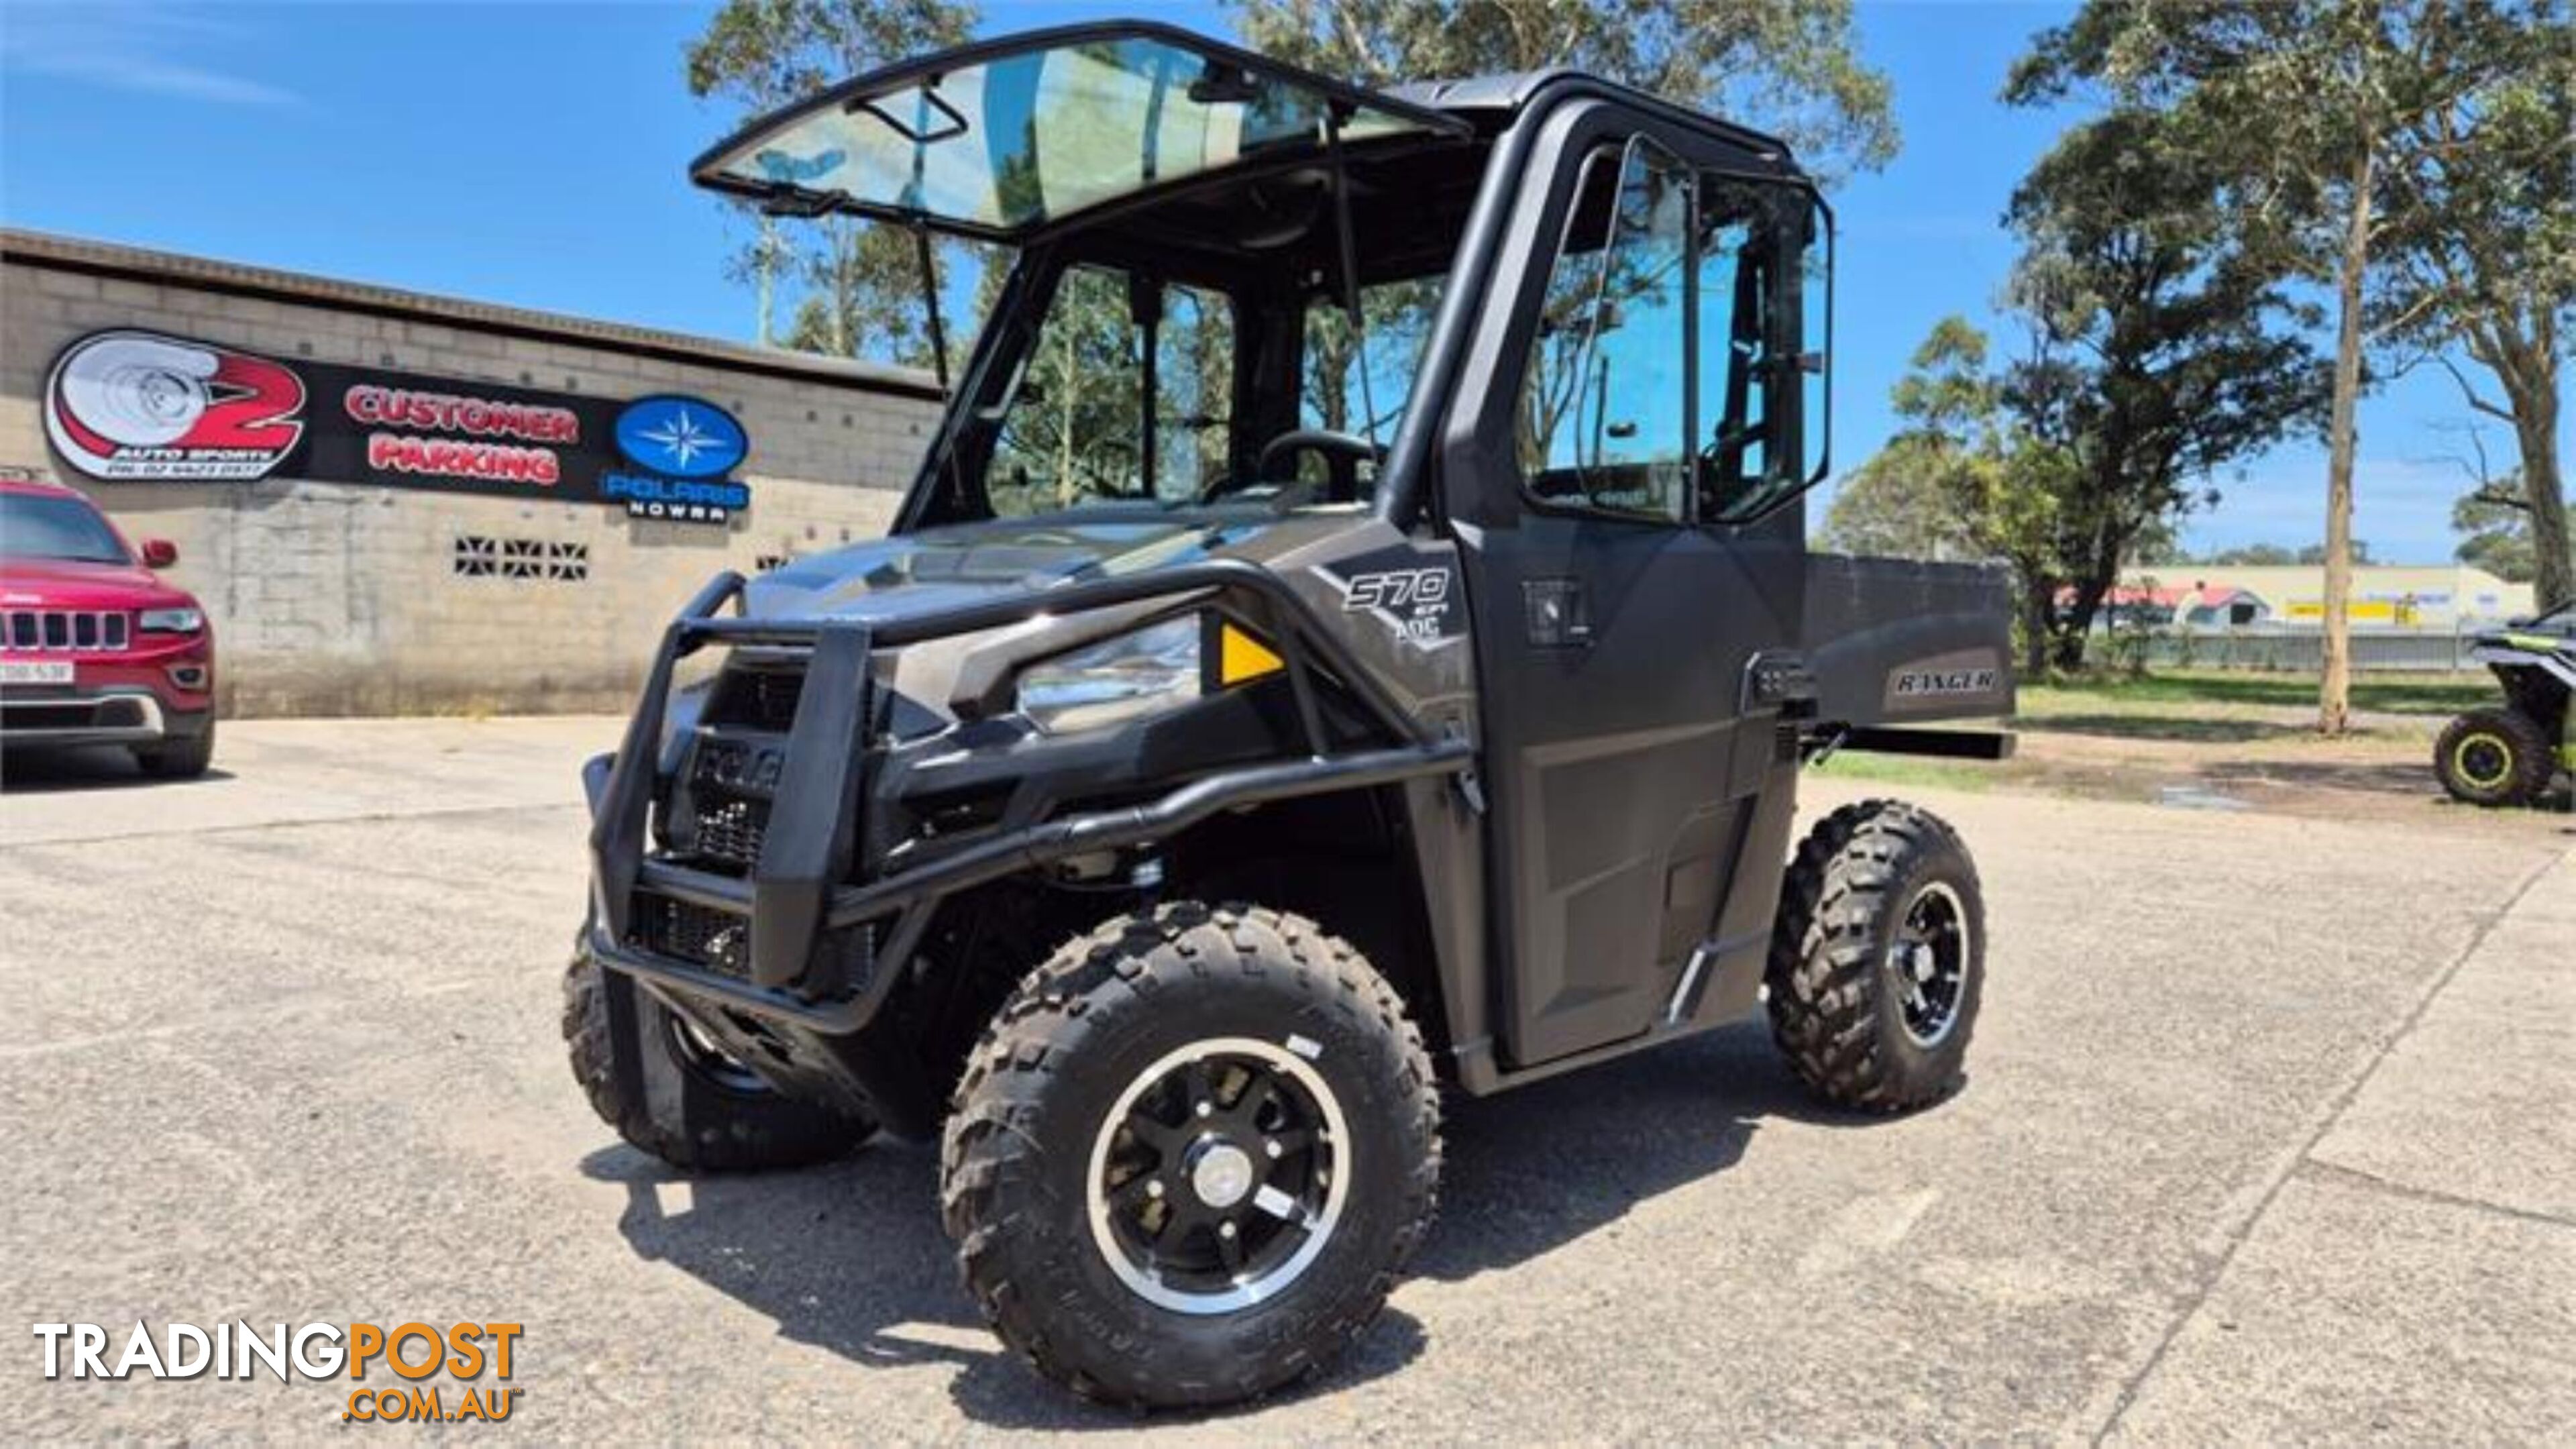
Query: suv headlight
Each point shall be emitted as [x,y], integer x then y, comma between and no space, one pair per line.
[1115,680]
[171,621]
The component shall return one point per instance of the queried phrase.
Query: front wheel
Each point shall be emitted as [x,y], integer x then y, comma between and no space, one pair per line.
[1878,958]
[1190,1157]
[2493,757]
[671,1091]
[184,759]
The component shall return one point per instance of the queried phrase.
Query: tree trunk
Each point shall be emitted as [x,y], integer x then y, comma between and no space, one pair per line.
[767,271]
[2076,627]
[2535,427]
[2334,695]
[2036,592]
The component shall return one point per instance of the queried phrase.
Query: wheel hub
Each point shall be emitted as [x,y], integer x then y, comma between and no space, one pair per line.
[1218,1175]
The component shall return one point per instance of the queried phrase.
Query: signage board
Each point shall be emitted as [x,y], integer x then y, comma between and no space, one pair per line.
[129,405]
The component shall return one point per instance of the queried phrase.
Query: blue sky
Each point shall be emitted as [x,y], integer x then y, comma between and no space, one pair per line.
[534,155]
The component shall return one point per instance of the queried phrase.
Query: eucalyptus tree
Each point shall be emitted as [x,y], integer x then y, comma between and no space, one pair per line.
[2321,118]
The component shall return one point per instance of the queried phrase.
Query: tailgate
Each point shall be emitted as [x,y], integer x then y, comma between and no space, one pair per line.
[1898,641]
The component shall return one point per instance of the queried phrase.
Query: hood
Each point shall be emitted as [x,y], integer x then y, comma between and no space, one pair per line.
[945,568]
[54,583]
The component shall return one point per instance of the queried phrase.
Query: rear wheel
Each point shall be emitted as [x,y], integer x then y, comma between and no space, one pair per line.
[2493,757]
[1878,958]
[1188,1161]
[671,1091]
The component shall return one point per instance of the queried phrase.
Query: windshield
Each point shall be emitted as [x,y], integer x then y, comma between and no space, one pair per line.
[40,525]
[1127,394]
[961,144]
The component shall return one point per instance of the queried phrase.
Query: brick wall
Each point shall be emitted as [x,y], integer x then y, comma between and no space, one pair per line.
[330,599]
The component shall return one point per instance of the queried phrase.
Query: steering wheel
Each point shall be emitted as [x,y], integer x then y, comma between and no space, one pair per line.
[1342,452]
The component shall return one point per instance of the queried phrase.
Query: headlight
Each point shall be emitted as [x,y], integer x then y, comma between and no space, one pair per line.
[1115,680]
[171,621]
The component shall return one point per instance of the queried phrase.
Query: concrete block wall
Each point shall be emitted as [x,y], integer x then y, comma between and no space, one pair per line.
[332,599]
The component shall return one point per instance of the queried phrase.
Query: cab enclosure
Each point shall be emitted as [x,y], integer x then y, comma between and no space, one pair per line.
[1383,505]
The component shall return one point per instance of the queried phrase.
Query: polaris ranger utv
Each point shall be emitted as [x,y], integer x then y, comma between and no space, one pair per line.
[1351,635]
[2508,756]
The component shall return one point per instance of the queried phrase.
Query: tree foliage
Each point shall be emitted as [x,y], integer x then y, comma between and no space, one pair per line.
[1962,479]
[2480,249]
[2494,524]
[1791,69]
[858,286]
[2323,124]
[2155,361]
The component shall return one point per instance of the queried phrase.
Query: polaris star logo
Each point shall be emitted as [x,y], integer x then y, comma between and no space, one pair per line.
[681,437]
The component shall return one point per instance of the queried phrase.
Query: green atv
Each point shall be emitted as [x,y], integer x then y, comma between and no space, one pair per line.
[2508,755]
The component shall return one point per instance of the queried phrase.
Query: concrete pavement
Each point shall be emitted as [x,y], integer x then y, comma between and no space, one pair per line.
[2267,1137]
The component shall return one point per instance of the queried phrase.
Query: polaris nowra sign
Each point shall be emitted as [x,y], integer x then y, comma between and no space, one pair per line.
[685,446]
[130,405]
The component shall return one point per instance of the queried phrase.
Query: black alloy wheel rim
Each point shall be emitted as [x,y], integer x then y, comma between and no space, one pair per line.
[1928,963]
[1219,1174]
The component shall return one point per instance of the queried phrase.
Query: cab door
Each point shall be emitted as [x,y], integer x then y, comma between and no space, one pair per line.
[1638,810]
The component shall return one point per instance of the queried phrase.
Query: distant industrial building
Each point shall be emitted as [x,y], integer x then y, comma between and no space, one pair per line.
[2441,598]
[394,503]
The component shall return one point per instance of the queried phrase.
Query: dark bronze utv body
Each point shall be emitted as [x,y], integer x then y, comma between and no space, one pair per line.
[1546,781]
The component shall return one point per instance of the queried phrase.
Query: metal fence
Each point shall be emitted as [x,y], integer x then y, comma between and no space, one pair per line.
[2302,651]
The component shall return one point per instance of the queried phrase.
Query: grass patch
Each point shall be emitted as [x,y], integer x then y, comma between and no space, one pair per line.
[1909,771]
[2212,694]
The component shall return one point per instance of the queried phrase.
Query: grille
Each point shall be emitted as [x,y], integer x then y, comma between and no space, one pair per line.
[730,831]
[694,933]
[66,631]
[761,699]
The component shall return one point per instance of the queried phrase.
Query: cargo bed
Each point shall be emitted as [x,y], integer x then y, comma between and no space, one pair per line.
[1902,642]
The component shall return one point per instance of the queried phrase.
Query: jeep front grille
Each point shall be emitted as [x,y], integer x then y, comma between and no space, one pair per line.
[66,630]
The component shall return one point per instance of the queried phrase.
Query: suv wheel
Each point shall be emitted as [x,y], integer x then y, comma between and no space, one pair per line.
[1878,958]
[2494,757]
[179,759]
[671,1091]
[1190,1157]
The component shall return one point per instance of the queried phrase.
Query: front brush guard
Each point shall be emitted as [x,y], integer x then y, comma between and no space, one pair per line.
[802,883]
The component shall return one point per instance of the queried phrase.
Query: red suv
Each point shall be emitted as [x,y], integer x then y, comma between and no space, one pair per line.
[93,648]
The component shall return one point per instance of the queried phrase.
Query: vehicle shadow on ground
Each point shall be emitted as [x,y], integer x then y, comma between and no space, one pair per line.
[101,767]
[851,1257]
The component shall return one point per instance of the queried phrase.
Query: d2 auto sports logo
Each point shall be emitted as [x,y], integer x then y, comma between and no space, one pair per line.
[137,406]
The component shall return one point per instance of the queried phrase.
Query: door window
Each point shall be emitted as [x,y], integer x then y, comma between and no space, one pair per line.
[1753,312]
[1603,419]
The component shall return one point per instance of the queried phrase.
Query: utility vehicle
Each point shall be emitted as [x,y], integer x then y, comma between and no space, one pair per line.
[2508,755]
[1351,635]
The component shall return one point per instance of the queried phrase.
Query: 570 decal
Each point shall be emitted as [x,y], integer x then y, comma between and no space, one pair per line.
[1416,601]
[1397,590]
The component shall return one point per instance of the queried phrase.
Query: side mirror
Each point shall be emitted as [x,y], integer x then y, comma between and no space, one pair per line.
[159,553]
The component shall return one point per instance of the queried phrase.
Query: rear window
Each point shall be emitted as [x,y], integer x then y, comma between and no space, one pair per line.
[56,526]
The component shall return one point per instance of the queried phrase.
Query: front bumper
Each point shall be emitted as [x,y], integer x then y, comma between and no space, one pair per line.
[809,950]
[68,717]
